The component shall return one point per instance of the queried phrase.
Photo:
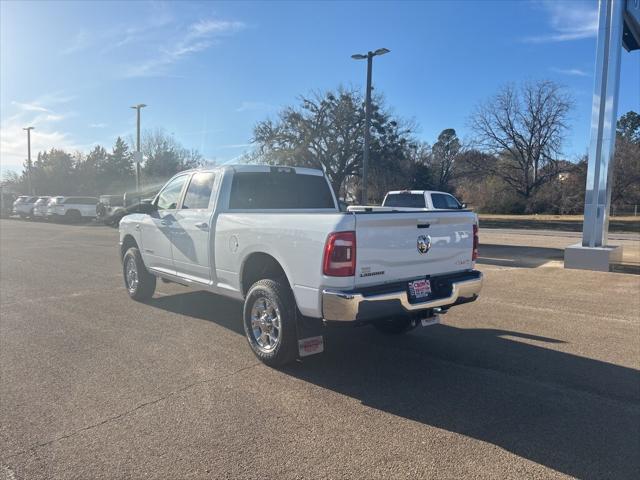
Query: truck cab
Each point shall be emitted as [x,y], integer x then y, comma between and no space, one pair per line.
[422,199]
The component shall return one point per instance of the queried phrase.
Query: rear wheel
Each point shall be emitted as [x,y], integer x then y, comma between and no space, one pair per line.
[139,282]
[395,325]
[270,322]
[73,215]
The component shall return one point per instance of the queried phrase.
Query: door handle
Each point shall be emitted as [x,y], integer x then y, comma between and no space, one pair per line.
[137,226]
[202,226]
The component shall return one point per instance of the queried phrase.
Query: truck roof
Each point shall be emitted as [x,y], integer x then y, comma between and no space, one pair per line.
[418,192]
[259,168]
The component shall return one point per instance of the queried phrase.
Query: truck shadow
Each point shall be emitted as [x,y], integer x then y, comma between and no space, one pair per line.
[518,256]
[576,415]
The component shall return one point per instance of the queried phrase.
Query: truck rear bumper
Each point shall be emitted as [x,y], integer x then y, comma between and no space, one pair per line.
[386,301]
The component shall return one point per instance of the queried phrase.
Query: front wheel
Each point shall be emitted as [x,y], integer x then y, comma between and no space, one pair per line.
[139,282]
[73,216]
[270,322]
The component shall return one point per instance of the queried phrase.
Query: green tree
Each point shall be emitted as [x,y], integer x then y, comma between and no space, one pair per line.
[54,173]
[443,157]
[116,170]
[626,173]
[326,131]
[628,127]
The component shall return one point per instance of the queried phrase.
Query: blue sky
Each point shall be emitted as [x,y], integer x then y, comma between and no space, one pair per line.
[210,70]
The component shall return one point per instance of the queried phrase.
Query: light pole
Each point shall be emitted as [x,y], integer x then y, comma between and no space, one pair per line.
[137,108]
[29,185]
[367,118]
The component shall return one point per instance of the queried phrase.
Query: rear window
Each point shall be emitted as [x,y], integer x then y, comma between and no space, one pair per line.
[409,200]
[444,201]
[275,190]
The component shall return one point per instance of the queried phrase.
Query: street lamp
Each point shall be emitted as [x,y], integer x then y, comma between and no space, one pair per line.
[29,185]
[367,117]
[137,108]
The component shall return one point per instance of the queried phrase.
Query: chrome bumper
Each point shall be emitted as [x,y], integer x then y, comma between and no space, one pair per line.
[340,306]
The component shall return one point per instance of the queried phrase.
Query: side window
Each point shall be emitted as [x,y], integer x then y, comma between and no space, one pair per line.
[170,195]
[199,191]
[445,201]
[452,203]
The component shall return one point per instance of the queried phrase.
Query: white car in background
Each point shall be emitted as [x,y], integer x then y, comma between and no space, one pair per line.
[40,208]
[422,199]
[73,208]
[23,206]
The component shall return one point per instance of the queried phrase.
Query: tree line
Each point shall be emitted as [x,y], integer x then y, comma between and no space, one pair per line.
[102,171]
[513,162]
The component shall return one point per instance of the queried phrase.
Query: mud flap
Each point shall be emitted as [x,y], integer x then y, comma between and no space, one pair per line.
[310,335]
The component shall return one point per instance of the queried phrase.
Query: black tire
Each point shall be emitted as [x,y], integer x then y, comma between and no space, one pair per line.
[286,345]
[73,216]
[395,325]
[141,290]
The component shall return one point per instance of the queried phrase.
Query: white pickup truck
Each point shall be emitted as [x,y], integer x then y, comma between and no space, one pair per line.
[429,199]
[275,238]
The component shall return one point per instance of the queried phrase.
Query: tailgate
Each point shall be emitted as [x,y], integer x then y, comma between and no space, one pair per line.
[405,245]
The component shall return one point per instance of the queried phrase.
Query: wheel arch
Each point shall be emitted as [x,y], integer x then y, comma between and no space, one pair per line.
[260,265]
[128,241]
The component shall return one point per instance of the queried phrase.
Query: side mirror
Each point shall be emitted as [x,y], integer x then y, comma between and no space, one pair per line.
[464,205]
[145,207]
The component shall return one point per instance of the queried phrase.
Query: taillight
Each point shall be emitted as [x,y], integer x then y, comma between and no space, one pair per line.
[474,255]
[340,255]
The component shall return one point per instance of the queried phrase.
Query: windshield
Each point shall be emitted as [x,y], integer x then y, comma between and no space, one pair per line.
[409,200]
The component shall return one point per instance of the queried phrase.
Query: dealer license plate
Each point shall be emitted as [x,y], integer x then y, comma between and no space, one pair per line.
[419,290]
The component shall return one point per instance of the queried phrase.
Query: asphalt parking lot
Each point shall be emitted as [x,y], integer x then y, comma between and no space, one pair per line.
[537,379]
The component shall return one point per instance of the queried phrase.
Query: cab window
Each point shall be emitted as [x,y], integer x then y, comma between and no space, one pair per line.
[199,191]
[444,201]
[170,195]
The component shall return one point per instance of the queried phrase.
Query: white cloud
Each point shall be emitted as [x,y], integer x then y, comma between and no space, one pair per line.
[81,41]
[576,72]
[234,145]
[568,20]
[247,106]
[30,107]
[198,37]
[211,26]
[39,114]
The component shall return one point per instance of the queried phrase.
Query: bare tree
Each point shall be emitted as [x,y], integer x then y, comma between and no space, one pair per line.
[525,128]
